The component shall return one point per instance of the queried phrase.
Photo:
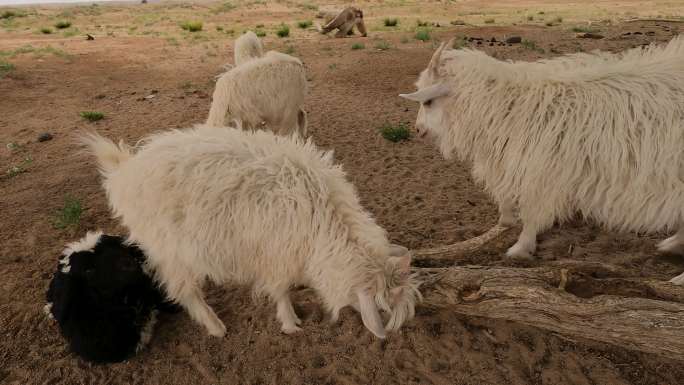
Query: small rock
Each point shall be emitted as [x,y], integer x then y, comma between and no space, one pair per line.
[44,137]
[589,35]
[148,97]
[514,40]
[479,42]
[650,33]
[638,33]
[491,44]
[626,34]
[493,40]
[100,96]
[89,37]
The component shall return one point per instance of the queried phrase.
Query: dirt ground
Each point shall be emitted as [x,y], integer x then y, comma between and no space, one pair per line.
[149,82]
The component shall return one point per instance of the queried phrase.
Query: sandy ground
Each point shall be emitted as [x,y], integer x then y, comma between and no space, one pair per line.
[418,197]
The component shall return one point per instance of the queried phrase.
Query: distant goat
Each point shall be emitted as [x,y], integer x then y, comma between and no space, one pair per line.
[344,21]
[267,91]
[255,208]
[105,304]
[598,133]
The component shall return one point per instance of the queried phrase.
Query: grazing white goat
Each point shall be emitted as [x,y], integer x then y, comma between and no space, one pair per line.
[268,90]
[225,204]
[247,47]
[598,133]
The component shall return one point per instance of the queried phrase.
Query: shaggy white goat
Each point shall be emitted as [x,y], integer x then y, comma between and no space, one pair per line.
[253,207]
[268,90]
[247,47]
[597,133]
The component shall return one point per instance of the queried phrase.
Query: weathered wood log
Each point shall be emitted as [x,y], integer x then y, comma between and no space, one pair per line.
[461,248]
[533,297]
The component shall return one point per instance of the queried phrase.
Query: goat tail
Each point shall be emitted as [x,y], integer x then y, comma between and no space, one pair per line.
[109,155]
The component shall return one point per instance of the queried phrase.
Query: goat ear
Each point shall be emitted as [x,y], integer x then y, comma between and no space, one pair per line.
[369,313]
[402,264]
[427,93]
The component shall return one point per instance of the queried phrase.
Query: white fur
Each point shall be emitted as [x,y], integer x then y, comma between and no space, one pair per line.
[225,204]
[247,47]
[600,133]
[269,91]
[86,243]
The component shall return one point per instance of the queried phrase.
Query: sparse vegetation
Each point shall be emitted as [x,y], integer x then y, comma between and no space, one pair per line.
[489,21]
[11,13]
[46,30]
[19,168]
[423,35]
[584,29]
[62,24]
[69,215]
[421,23]
[92,116]
[332,66]
[457,22]
[260,32]
[290,49]
[558,20]
[391,22]
[224,7]
[5,68]
[531,45]
[530,18]
[358,46]
[219,28]
[283,31]
[395,133]
[192,26]
[304,24]
[382,45]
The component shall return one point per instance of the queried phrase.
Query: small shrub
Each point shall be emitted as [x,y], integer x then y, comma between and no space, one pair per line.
[391,22]
[192,26]
[530,18]
[529,44]
[92,116]
[5,68]
[62,24]
[541,12]
[260,33]
[219,28]
[457,22]
[382,45]
[558,20]
[358,46]
[283,31]
[395,133]
[423,35]
[46,30]
[421,23]
[259,26]
[489,21]
[11,13]
[304,24]
[69,215]
[20,168]
[549,24]
[584,29]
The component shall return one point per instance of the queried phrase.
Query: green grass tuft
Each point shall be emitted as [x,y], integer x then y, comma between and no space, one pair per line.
[391,22]
[92,116]
[260,32]
[69,215]
[358,46]
[490,21]
[423,35]
[192,26]
[5,68]
[283,31]
[46,30]
[395,133]
[62,24]
[304,24]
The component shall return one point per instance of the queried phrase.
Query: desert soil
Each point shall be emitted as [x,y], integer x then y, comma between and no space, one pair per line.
[146,83]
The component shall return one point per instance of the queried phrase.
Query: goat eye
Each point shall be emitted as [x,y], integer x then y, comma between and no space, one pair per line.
[427,103]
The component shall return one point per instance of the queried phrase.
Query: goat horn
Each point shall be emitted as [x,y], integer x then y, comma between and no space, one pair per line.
[461,248]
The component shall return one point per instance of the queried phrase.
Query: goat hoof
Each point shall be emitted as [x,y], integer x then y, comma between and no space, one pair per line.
[519,251]
[218,330]
[290,329]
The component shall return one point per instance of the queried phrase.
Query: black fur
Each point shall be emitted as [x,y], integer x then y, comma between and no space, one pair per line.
[105,300]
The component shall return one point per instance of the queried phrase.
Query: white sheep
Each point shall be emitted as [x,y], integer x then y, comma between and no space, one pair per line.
[254,208]
[600,133]
[269,91]
[247,47]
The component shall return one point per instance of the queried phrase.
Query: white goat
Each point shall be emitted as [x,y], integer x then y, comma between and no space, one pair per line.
[247,47]
[253,207]
[597,133]
[268,90]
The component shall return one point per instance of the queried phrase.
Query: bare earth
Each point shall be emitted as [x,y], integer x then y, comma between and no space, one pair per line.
[418,197]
